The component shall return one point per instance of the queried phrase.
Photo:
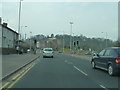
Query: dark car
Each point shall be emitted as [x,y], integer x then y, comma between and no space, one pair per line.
[108,59]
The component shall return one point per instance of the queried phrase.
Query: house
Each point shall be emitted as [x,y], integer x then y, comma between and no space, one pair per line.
[8,39]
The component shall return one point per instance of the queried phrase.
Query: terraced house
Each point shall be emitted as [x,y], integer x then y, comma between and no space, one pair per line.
[9,39]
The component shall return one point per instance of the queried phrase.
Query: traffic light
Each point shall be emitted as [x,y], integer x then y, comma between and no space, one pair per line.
[74,43]
[77,42]
[35,41]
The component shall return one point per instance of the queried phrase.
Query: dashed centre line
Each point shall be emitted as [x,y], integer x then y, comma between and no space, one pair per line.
[77,68]
[87,75]
[103,87]
[80,71]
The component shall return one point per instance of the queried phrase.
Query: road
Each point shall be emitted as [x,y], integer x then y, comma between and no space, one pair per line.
[64,71]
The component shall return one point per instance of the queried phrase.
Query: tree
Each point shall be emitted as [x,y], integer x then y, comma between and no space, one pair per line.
[117,44]
[52,35]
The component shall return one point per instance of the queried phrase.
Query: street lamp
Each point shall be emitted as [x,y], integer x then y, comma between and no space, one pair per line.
[30,41]
[106,37]
[19,21]
[73,44]
[21,32]
[63,41]
[73,39]
[71,35]
[25,36]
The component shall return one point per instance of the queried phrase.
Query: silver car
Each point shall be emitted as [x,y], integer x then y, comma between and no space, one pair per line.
[47,52]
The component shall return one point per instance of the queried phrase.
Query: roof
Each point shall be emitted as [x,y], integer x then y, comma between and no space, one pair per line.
[8,28]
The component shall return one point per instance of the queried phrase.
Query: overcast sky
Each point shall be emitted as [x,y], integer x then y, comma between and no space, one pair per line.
[89,18]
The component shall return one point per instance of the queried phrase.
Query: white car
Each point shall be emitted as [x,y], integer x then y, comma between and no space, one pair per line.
[47,52]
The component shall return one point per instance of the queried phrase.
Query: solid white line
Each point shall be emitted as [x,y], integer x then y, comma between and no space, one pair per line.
[80,71]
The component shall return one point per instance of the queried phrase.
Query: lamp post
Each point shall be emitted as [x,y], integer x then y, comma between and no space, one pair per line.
[71,23]
[25,36]
[63,41]
[21,31]
[73,44]
[19,21]
[30,41]
[106,37]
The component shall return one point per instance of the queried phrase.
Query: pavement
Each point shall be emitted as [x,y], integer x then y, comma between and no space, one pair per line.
[12,62]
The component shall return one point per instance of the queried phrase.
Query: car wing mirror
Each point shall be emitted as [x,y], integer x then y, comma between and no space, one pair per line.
[98,55]
[94,54]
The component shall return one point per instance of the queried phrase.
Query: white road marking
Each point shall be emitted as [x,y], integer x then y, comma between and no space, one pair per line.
[103,87]
[68,62]
[80,71]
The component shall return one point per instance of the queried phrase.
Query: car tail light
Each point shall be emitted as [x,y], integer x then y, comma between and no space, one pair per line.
[117,60]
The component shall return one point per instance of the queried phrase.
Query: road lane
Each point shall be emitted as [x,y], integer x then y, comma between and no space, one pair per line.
[55,73]
[99,76]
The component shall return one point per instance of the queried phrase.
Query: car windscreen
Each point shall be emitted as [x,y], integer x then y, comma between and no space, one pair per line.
[48,50]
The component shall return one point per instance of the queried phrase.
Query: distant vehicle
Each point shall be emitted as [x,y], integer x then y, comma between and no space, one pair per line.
[47,52]
[60,52]
[28,50]
[108,59]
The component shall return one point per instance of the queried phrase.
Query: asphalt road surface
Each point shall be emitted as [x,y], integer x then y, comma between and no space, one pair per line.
[65,71]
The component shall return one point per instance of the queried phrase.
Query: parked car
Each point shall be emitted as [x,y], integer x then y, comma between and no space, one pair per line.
[47,52]
[108,59]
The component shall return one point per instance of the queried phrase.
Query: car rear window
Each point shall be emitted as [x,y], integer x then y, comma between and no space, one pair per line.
[118,51]
[48,49]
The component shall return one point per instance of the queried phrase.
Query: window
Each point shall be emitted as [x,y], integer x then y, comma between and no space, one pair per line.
[48,49]
[118,51]
[108,53]
[102,53]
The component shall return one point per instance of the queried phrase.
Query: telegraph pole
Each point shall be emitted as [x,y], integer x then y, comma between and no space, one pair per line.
[63,41]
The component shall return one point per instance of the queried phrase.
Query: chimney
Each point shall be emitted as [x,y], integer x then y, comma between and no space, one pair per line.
[5,24]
